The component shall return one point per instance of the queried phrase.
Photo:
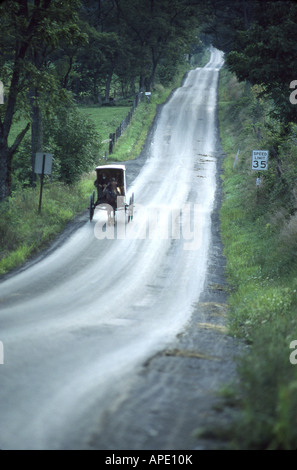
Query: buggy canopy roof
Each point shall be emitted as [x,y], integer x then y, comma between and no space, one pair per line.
[111,167]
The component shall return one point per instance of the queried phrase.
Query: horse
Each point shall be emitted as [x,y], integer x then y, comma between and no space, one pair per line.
[111,193]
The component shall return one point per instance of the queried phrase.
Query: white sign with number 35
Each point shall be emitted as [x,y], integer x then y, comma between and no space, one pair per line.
[260,160]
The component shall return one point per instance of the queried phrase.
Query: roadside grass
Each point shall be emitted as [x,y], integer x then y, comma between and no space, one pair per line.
[105,118]
[259,229]
[131,142]
[24,232]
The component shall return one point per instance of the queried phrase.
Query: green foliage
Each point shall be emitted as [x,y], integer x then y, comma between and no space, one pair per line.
[259,40]
[71,137]
[103,121]
[74,142]
[30,33]
[268,387]
[22,165]
[95,64]
[154,32]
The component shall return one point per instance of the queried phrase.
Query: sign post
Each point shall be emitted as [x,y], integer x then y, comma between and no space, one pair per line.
[43,166]
[236,158]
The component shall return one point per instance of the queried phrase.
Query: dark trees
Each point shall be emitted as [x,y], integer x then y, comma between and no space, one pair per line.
[155,29]
[258,38]
[28,31]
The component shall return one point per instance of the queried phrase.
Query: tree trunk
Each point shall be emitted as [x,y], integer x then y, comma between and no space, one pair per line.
[141,82]
[107,85]
[155,61]
[132,87]
[36,116]
[5,182]
[36,130]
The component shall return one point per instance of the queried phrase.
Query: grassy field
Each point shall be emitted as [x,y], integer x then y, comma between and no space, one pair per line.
[106,120]
[259,232]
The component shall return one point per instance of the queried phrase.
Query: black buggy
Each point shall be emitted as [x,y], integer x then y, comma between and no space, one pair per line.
[111,192]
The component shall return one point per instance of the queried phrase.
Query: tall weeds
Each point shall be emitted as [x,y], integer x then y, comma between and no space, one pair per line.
[23,231]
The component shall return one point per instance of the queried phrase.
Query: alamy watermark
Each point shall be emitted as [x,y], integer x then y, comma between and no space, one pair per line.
[1,353]
[293,95]
[1,93]
[156,223]
[293,355]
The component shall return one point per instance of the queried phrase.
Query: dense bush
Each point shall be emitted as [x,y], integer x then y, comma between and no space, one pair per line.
[74,142]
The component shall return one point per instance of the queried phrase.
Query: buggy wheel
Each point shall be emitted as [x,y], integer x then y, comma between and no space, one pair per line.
[126,209]
[91,208]
[130,208]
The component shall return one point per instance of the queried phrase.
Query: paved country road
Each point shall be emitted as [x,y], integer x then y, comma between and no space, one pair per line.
[78,325]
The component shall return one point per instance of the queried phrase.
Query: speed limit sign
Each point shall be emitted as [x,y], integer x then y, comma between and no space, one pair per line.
[260,160]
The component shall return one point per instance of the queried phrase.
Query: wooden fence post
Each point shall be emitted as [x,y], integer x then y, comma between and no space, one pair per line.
[110,144]
[114,137]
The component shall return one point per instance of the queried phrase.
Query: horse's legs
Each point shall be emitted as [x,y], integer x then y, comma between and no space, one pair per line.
[108,216]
